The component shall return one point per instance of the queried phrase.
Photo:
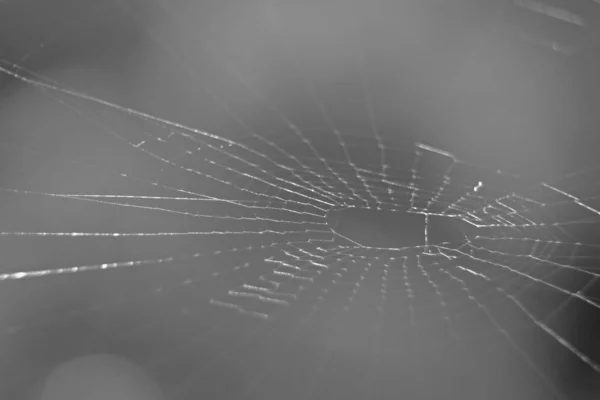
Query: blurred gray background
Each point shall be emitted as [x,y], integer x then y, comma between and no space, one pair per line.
[505,84]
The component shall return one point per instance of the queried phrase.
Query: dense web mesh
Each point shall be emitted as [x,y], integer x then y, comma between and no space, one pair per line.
[219,246]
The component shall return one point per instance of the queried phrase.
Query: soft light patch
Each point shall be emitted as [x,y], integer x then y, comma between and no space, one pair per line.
[98,377]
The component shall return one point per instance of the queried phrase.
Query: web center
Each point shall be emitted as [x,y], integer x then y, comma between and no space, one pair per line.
[393,229]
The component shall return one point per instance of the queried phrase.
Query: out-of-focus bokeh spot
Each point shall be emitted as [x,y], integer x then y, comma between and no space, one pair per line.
[98,377]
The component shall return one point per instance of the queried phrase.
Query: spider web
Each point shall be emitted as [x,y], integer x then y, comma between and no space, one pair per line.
[223,243]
